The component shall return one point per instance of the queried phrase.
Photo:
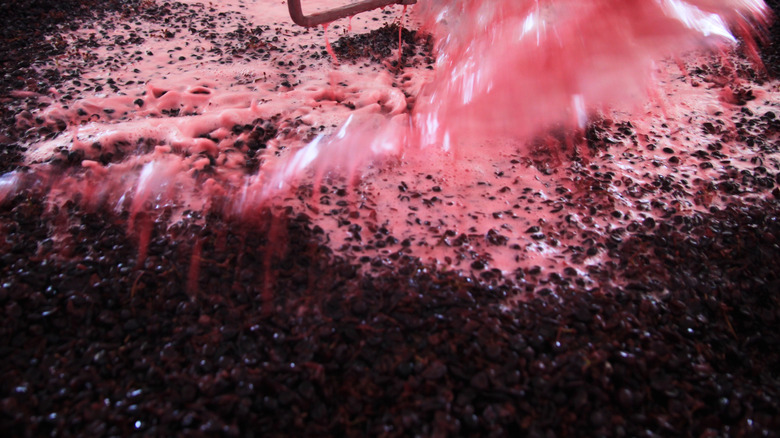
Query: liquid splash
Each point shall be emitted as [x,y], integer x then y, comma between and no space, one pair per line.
[517,68]
[507,69]
[521,67]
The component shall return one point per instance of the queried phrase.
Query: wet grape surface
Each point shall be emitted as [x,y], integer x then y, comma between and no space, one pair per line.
[242,328]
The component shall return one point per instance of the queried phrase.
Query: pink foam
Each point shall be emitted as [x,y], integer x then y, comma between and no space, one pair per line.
[507,72]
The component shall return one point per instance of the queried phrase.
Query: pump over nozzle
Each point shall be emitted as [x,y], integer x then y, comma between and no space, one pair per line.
[296,13]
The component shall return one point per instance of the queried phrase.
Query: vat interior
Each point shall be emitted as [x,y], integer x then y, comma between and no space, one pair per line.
[277,324]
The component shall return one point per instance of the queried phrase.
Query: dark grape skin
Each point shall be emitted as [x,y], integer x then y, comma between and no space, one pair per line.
[407,348]
[93,343]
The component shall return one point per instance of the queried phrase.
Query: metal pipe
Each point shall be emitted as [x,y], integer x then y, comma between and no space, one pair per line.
[296,12]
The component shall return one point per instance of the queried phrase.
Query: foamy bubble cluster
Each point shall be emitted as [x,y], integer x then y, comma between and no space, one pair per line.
[233,129]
